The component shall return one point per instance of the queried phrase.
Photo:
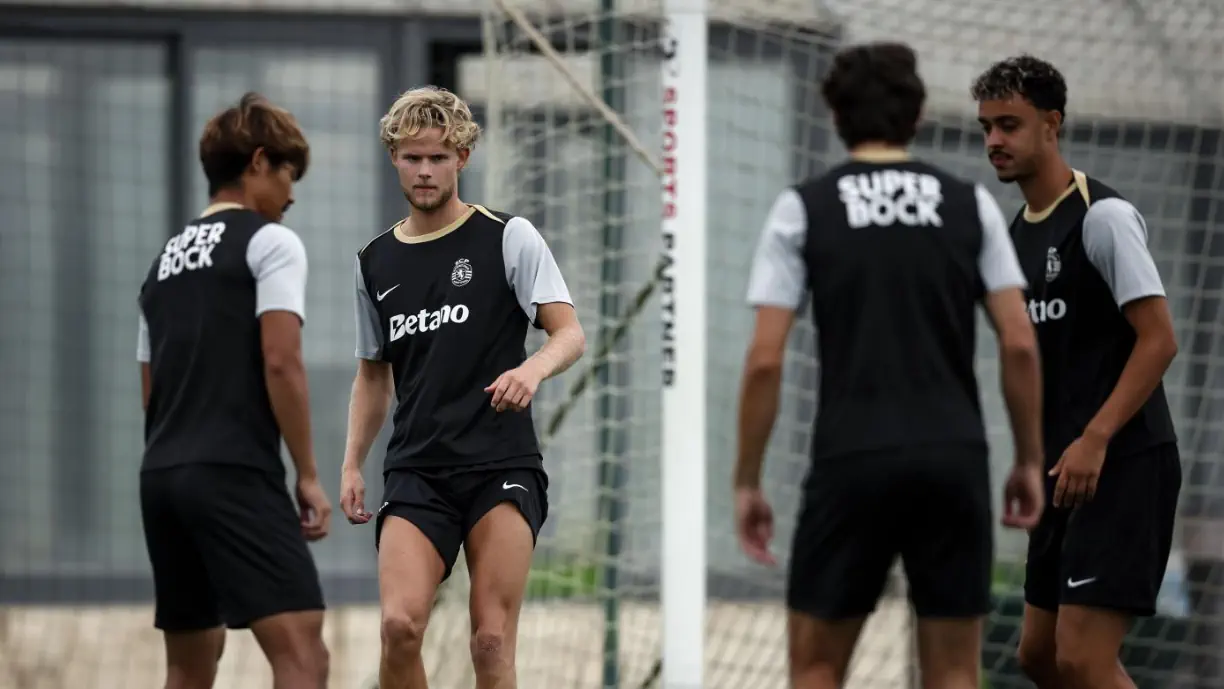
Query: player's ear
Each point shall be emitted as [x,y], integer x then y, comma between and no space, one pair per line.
[1053,120]
[259,162]
[463,154]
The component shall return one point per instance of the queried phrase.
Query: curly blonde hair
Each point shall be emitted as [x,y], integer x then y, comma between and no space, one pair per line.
[429,107]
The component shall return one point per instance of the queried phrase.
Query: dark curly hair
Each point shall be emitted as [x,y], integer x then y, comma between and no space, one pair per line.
[875,93]
[1031,78]
[231,138]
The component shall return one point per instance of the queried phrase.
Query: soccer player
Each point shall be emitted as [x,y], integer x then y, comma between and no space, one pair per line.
[893,256]
[444,300]
[220,347]
[1097,558]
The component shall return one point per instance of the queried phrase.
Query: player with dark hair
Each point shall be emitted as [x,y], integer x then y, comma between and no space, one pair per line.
[444,300]
[894,256]
[1098,556]
[220,347]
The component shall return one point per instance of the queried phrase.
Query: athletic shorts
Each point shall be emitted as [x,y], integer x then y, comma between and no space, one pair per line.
[445,503]
[1110,552]
[226,546]
[929,505]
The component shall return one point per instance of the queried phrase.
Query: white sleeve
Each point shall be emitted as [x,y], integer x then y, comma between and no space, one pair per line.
[531,269]
[779,271]
[144,352]
[277,259]
[369,327]
[997,262]
[1115,239]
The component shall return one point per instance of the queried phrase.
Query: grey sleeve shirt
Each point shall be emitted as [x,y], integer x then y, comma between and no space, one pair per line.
[997,261]
[531,270]
[531,273]
[277,260]
[369,331]
[779,272]
[1115,240]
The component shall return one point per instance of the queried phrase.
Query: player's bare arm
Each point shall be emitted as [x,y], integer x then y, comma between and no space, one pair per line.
[1115,239]
[285,373]
[777,288]
[514,389]
[1019,363]
[1155,349]
[369,402]
[759,390]
[758,409]
[278,261]
[146,377]
[543,297]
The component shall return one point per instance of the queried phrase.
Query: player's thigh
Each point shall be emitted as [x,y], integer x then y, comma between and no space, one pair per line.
[946,529]
[250,534]
[950,651]
[507,513]
[426,501]
[819,651]
[185,601]
[409,572]
[845,541]
[1037,651]
[1117,544]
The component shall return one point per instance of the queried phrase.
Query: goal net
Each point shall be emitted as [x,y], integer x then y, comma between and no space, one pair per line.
[572,96]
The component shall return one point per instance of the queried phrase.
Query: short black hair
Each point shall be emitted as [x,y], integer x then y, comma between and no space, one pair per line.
[875,93]
[1031,78]
[231,138]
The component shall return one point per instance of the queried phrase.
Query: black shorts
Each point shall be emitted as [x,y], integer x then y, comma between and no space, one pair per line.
[445,503]
[1110,552]
[226,546]
[930,505]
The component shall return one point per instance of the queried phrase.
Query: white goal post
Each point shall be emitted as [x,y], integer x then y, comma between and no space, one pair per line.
[685,50]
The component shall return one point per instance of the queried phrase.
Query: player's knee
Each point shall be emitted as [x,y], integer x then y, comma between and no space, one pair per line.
[490,648]
[1037,661]
[304,660]
[320,663]
[1079,665]
[403,632]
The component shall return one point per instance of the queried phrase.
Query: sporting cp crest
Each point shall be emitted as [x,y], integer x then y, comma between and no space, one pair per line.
[461,274]
[1053,265]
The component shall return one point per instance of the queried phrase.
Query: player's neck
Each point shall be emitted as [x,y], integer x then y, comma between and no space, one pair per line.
[227,197]
[879,152]
[1045,188]
[425,222]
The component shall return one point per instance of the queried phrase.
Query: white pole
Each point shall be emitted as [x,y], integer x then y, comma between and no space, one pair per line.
[685,48]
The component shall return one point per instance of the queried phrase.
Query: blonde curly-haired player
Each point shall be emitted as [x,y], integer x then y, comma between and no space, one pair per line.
[444,299]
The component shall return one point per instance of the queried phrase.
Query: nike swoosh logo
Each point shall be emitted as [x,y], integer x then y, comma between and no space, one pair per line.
[507,486]
[381,295]
[1072,584]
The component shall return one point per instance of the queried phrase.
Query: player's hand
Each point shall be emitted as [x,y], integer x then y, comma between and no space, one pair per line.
[315,508]
[352,496]
[754,524]
[514,389]
[1023,497]
[1078,471]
